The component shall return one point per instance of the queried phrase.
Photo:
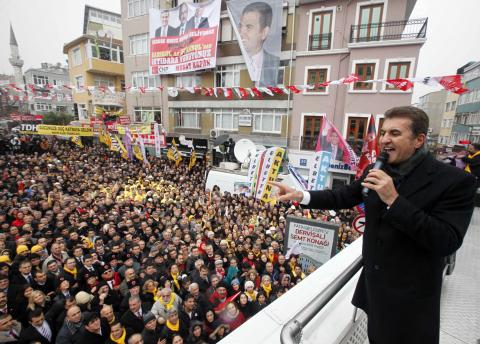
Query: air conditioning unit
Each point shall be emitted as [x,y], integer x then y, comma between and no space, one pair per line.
[214,133]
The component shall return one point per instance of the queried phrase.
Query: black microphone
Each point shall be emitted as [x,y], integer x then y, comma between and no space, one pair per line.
[379,163]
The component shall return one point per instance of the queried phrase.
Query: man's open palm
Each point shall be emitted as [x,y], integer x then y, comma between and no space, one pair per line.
[286,193]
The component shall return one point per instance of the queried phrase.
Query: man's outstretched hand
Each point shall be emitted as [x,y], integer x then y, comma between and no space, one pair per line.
[286,193]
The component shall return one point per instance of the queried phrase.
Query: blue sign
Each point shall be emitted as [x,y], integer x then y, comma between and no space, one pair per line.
[303,162]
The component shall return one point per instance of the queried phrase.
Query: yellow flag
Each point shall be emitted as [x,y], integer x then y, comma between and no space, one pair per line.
[78,141]
[137,152]
[193,159]
[123,150]
[174,154]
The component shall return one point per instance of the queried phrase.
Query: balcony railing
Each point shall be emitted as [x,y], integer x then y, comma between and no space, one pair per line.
[386,31]
[320,42]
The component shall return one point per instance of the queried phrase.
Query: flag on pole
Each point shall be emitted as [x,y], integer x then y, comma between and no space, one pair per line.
[123,150]
[370,149]
[142,147]
[77,140]
[158,148]
[193,159]
[127,142]
[174,154]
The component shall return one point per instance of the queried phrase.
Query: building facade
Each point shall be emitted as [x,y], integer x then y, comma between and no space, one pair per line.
[448,118]
[372,39]
[198,117]
[96,60]
[49,74]
[467,115]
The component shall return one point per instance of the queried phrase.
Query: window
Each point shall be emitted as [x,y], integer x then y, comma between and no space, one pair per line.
[281,75]
[397,70]
[356,133]
[188,80]
[139,7]
[187,118]
[40,79]
[226,119]
[321,31]
[104,81]
[144,79]
[139,44]
[316,76]
[364,71]
[447,108]
[79,82]
[370,19]
[454,104]
[43,107]
[105,51]
[147,114]
[76,56]
[267,121]
[311,130]
[228,76]
[227,32]
[82,112]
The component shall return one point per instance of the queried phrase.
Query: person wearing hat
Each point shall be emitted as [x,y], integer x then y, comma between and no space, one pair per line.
[173,326]
[219,296]
[83,300]
[151,333]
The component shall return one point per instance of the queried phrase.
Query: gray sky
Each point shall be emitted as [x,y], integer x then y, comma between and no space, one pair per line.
[43,26]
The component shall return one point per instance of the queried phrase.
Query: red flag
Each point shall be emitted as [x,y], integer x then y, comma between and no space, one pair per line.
[276,90]
[243,92]
[401,84]
[142,89]
[370,149]
[227,91]
[294,89]
[15,87]
[351,78]
[222,305]
[257,92]
[452,83]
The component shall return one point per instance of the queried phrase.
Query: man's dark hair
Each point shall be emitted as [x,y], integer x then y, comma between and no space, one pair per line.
[418,117]
[265,11]
[34,314]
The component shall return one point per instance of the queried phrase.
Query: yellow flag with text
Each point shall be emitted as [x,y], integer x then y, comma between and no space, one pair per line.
[193,159]
[78,141]
[174,154]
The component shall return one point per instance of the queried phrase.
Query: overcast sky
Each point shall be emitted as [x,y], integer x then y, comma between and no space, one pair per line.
[43,26]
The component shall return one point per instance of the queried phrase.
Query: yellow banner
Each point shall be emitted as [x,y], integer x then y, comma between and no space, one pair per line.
[193,159]
[143,129]
[67,130]
[272,175]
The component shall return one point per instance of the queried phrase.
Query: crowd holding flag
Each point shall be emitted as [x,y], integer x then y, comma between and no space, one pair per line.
[77,140]
[174,154]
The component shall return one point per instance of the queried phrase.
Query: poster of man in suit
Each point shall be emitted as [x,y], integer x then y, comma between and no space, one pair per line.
[184,38]
[258,28]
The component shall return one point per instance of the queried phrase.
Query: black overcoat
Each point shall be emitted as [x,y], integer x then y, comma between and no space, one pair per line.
[404,248]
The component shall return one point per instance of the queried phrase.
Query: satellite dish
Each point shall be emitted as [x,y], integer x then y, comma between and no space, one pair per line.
[243,149]
[260,147]
[172,91]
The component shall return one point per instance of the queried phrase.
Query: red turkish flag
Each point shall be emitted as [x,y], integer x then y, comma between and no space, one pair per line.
[276,90]
[452,83]
[350,79]
[294,89]
[257,92]
[370,149]
[243,92]
[401,84]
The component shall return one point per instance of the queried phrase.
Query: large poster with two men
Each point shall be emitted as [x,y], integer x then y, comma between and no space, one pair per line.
[184,38]
[258,26]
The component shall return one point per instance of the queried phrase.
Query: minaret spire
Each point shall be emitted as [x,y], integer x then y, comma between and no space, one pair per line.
[15,60]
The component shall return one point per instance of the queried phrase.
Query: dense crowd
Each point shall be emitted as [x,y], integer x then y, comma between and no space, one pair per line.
[95,249]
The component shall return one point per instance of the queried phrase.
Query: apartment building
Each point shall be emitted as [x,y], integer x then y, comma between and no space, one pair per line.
[49,74]
[96,59]
[194,116]
[373,39]
[467,115]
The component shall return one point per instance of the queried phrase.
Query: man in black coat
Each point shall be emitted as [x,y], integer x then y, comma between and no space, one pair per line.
[473,160]
[39,329]
[133,318]
[91,332]
[417,212]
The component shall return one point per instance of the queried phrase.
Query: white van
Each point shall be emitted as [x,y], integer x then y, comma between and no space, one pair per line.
[236,182]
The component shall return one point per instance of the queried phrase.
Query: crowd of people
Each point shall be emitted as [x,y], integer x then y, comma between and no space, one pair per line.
[96,249]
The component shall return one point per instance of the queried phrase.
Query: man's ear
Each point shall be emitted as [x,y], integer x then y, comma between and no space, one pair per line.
[265,32]
[420,140]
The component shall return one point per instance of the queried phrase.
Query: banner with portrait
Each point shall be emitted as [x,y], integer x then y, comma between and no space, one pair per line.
[330,140]
[258,26]
[184,38]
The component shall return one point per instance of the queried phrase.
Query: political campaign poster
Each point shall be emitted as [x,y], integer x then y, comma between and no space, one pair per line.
[315,240]
[258,26]
[330,140]
[184,38]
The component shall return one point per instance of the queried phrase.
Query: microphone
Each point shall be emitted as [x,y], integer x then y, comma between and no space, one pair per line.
[379,163]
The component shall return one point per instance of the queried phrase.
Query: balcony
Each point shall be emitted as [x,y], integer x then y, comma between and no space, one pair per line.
[389,31]
[320,42]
